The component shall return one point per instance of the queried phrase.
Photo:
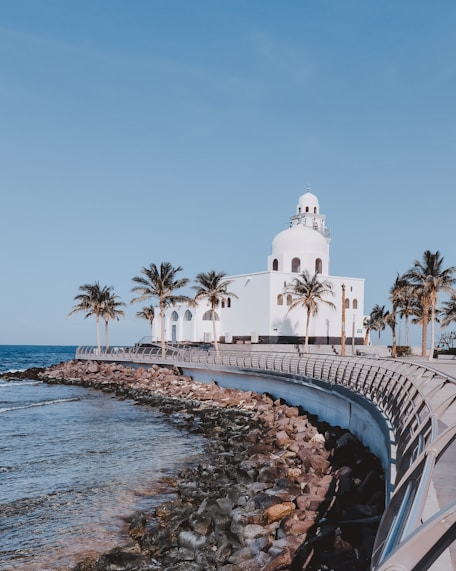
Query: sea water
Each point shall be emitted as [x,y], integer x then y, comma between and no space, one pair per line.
[74,463]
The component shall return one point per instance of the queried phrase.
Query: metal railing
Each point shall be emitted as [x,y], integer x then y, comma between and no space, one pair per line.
[413,397]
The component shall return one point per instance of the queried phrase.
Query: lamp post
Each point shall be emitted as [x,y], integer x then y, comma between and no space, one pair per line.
[353,336]
[342,337]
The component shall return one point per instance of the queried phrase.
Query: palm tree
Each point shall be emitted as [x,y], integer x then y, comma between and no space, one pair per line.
[147,312]
[368,326]
[379,318]
[160,283]
[448,311]
[418,316]
[408,307]
[91,300]
[423,314]
[309,292]
[432,278]
[212,286]
[397,292]
[111,310]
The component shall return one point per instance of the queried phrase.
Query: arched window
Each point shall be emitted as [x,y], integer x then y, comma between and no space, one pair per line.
[296,265]
[315,209]
[174,316]
[289,299]
[318,265]
[275,265]
[208,316]
[228,302]
[188,315]
[347,303]
[223,304]
[280,299]
[355,304]
[307,209]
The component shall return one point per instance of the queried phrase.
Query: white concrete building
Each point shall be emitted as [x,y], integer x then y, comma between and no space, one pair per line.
[260,314]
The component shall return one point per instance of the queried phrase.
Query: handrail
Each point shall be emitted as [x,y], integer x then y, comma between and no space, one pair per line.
[403,391]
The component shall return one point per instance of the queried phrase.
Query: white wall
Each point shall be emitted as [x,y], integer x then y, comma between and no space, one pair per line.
[249,313]
[328,322]
[256,311]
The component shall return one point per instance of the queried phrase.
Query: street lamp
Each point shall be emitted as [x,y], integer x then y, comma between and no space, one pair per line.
[353,335]
[342,337]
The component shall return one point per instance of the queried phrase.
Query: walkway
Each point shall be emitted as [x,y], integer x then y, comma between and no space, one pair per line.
[445,474]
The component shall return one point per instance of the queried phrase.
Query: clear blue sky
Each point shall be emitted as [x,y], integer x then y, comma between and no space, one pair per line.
[185,131]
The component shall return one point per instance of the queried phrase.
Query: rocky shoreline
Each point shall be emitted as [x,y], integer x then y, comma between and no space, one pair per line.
[276,489]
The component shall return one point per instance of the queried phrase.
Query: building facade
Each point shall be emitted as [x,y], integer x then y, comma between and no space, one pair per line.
[260,312]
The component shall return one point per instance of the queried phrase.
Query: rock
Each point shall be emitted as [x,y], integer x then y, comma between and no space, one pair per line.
[308,502]
[272,473]
[318,463]
[191,540]
[118,560]
[263,501]
[252,531]
[281,561]
[258,544]
[294,473]
[292,526]
[201,523]
[137,527]
[282,440]
[93,368]
[279,511]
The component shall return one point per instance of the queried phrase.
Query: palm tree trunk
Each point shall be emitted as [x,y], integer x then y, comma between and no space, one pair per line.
[406,331]
[424,330]
[306,342]
[393,333]
[97,326]
[162,332]
[106,336]
[214,335]
[431,350]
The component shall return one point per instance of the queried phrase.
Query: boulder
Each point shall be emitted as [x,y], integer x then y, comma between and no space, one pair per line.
[279,511]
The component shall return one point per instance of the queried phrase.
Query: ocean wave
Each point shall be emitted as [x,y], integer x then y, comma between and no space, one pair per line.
[4,469]
[4,385]
[22,506]
[33,404]
[13,371]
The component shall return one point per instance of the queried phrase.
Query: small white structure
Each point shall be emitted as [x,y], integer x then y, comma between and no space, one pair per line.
[260,314]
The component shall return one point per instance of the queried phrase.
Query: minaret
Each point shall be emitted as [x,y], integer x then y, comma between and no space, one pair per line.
[308,214]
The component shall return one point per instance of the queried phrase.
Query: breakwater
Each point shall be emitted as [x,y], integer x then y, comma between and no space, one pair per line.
[277,489]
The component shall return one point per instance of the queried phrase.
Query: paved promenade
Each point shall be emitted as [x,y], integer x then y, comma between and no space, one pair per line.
[444,478]
[447,366]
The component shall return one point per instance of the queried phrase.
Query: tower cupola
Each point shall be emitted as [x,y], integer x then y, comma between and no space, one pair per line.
[308,214]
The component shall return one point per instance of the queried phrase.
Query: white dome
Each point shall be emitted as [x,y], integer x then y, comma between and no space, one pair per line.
[304,246]
[308,202]
[299,240]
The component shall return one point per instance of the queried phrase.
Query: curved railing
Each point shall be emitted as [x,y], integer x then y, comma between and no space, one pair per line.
[416,399]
